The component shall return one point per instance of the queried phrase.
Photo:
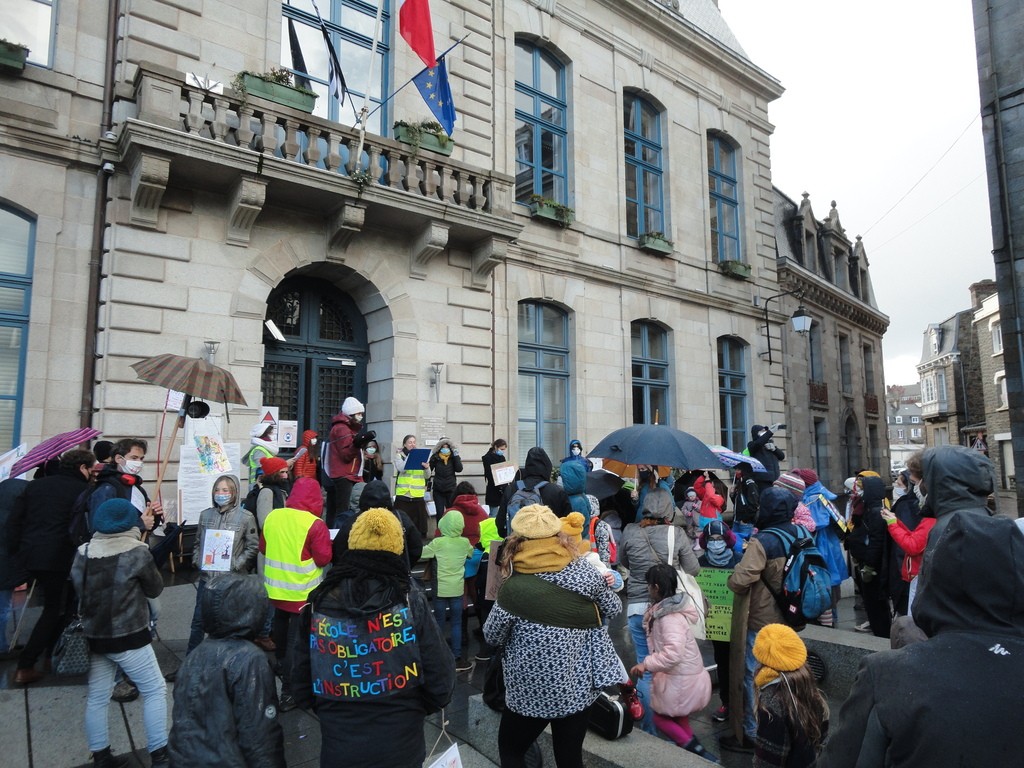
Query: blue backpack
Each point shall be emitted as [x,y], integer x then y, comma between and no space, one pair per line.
[806,583]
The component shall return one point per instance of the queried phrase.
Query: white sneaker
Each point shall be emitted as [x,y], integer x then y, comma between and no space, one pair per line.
[865,627]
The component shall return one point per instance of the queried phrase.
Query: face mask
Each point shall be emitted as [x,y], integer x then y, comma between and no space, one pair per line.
[445,451]
[371,451]
[357,418]
[221,499]
[921,497]
[898,493]
[499,452]
[133,467]
[645,476]
[313,441]
[576,451]
[716,546]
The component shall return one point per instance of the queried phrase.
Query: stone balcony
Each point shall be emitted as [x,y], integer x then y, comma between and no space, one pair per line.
[934,409]
[258,153]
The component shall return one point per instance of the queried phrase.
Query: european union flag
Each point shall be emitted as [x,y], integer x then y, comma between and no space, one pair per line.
[433,85]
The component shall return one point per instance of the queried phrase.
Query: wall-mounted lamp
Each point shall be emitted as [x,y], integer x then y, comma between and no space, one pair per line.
[435,379]
[801,320]
[211,350]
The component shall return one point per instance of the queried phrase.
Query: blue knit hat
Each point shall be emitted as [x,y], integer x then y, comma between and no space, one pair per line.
[114,516]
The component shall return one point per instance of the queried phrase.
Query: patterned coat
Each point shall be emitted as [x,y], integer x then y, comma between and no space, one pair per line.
[553,672]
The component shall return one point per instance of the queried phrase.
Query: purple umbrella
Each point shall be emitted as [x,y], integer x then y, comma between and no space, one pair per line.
[731,458]
[51,447]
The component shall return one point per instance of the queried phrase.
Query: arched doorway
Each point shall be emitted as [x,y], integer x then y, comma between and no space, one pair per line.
[323,357]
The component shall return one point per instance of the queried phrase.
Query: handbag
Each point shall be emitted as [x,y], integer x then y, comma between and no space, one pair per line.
[71,652]
[689,585]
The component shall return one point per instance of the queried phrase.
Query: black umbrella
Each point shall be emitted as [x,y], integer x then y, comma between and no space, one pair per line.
[602,484]
[656,444]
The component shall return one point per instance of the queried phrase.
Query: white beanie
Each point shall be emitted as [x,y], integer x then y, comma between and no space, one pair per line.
[351,406]
[259,428]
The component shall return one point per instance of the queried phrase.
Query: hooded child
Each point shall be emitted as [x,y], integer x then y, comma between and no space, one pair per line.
[451,550]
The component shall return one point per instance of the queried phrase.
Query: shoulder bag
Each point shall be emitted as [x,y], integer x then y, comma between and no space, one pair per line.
[71,652]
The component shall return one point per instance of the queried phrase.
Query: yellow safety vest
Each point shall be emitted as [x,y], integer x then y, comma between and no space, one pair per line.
[285,574]
[411,483]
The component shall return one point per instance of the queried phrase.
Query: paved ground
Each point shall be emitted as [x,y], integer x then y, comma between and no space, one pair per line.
[41,725]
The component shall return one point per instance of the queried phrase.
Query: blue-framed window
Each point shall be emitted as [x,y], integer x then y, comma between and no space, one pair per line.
[543,392]
[30,22]
[732,391]
[650,373]
[350,24]
[723,188]
[17,251]
[645,204]
[541,126]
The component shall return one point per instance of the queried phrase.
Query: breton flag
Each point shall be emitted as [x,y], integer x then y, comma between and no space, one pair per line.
[298,60]
[336,76]
[435,89]
[415,26]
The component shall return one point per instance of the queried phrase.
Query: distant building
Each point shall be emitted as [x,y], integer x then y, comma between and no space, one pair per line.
[989,331]
[903,415]
[833,374]
[952,400]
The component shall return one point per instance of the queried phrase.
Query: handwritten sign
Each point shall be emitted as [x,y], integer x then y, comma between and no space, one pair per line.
[217,546]
[713,582]
[504,472]
[367,657]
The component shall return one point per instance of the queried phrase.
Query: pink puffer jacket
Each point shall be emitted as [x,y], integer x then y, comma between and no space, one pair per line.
[680,685]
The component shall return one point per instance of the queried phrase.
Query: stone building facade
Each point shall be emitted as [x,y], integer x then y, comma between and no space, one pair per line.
[162,208]
[992,365]
[952,391]
[835,393]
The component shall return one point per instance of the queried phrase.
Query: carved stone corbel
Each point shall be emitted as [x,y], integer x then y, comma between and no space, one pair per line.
[246,203]
[149,180]
[487,254]
[346,221]
[428,243]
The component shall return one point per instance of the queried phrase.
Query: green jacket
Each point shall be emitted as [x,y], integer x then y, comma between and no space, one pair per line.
[451,550]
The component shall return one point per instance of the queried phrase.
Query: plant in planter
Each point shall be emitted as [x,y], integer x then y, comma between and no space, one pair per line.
[733,268]
[656,242]
[12,55]
[275,85]
[361,178]
[426,134]
[545,208]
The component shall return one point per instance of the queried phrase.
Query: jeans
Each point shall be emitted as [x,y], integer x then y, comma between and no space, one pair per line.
[455,605]
[749,665]
[197,634]
[5,615]
[643,685]
[517,732]
[141,666]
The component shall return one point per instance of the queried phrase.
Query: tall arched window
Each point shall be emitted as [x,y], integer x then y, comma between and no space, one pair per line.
[322,357]
[732,391]
[645,205]
[17,250]
[543,396]
[723,186]
[541,126]
[650,373]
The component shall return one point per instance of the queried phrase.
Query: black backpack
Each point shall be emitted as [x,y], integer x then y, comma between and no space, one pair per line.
[280,500]
[78,527]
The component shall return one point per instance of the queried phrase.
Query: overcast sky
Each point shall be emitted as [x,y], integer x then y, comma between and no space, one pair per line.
[877,94]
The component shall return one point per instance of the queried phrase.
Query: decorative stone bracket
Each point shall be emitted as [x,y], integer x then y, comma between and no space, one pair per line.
[246,203]
[487,254]
[346,222]
[431,240]
[149,180]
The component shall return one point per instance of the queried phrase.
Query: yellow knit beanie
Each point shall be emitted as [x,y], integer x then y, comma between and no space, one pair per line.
[779,649]
[377,530]
[572,526]
[536,522]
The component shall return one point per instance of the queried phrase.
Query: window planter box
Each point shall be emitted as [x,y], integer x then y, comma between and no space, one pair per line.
[656,244]
[736,269]
[428,141]
[560,214]
[285,95]
[12,57]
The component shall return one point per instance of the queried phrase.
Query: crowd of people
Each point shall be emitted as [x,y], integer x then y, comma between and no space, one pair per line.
[305,598]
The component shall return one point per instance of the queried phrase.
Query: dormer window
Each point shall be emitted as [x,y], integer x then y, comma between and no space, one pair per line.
[935,338]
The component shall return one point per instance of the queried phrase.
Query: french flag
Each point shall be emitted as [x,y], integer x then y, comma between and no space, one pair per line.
[415,26]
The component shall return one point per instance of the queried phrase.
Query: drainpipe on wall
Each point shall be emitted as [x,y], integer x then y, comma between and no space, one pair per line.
[99,227]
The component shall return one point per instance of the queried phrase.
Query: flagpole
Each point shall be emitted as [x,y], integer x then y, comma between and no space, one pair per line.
[399,88]
[365,111]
